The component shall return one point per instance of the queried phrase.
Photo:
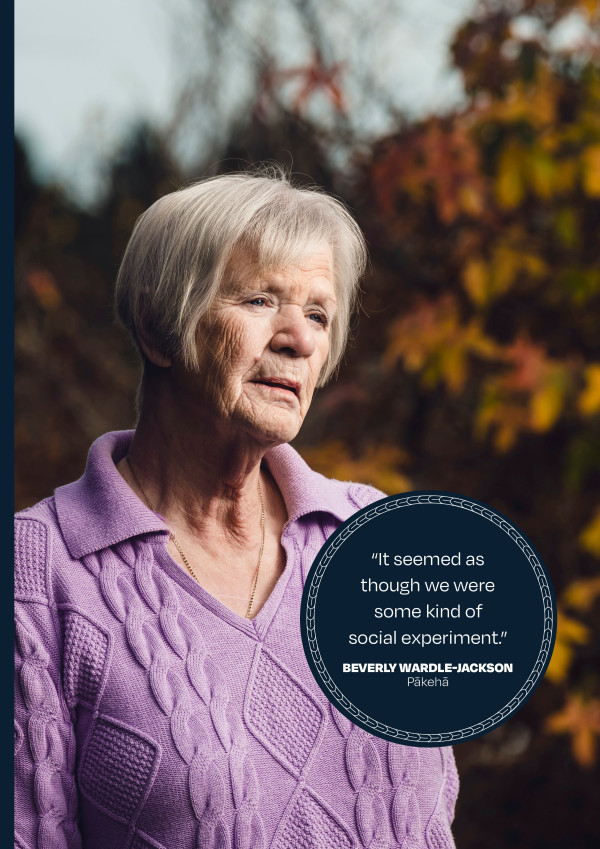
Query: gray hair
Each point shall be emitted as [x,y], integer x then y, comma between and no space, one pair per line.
[177,255]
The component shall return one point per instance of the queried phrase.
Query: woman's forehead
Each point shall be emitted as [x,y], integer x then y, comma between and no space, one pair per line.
[246,266]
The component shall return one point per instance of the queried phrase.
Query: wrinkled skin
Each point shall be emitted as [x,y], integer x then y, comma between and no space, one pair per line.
[264,326]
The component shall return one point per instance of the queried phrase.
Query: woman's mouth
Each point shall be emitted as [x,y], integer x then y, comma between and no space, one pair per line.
[289,386]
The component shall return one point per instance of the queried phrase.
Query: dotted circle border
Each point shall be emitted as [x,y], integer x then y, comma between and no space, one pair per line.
[464,733]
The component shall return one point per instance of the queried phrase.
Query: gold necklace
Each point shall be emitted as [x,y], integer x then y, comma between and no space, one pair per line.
[177,544]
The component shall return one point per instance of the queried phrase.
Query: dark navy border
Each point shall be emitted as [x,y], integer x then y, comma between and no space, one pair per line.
[8,193]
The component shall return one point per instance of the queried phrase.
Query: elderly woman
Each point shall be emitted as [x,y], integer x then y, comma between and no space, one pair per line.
[163,697]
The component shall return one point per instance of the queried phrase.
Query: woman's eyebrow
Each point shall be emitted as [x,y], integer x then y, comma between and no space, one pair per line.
[271,282]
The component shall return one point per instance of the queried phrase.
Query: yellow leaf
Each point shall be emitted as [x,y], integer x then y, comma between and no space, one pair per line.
[534,265]
[591,7]
[558,668]
[590,162]
[546,405]
[505,438]
[508,417]
[566,175]
[589,400]
[571,630]
[581,594]
[542,172]
[510,189]
[590,536]
[504,268]
[471,201]
[455,369]
[475,280]
[567,227]
[533,103]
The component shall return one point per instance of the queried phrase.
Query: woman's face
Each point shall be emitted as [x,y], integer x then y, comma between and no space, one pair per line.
[262,345]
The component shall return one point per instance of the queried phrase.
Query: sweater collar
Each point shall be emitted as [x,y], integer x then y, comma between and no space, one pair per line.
[100,509]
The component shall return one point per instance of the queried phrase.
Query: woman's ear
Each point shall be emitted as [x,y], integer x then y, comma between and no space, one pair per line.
[151,352]
[148,344]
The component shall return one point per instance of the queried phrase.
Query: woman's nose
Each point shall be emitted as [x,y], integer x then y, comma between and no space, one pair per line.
[293,334]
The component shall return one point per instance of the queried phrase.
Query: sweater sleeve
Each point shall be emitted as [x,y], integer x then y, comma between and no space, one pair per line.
[45,792]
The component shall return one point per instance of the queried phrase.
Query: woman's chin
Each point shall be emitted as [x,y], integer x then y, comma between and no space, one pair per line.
[275,426]
[273,422]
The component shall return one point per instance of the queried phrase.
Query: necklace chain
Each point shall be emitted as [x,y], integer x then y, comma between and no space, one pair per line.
[182,554]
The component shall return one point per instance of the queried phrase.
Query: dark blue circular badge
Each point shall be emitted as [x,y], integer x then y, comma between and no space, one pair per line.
[428,618]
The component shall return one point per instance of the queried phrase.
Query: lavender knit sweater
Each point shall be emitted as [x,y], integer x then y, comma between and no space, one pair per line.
[150,716]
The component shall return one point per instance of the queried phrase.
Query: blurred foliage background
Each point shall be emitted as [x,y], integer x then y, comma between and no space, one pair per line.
[475,365]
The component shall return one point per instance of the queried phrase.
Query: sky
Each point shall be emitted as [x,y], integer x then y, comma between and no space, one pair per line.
[83,72]
[86,71]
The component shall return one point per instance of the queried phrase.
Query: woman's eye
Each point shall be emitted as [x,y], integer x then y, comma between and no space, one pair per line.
[258,302]
[319,318]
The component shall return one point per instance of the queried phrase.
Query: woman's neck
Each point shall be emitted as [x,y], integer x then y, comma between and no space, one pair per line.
[196,475]
[208,485]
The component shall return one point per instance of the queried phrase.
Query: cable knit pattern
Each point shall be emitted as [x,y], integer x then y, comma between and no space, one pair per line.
[142,841]
[85,648]
[309,825]
[439,835]
[143,600]
[281,714]
[365,774]
[191,727]
[404,764]
[31,539]
[117,769]
[49,744]
[451,784]
[18,736]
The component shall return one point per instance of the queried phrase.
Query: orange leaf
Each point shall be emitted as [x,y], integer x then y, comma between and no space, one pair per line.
[580,719]
[581,594]
[43,285]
